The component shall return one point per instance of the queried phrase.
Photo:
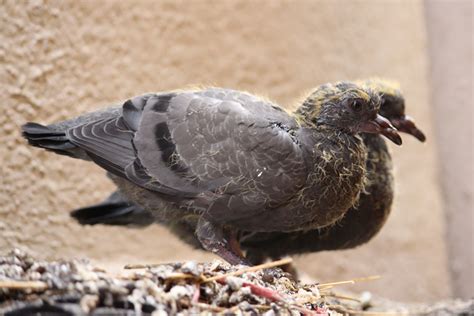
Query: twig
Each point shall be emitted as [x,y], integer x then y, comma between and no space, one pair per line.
[23,285]
[353,281]
[143,266]
[342,297]
[342,309]
[136,266]
[146,266]
[368,278]
[178,276]
[251,269]
[325,288]
[335,283]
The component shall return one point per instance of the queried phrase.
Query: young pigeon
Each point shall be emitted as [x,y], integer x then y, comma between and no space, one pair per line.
[359,225]
[363,220]
[227,161]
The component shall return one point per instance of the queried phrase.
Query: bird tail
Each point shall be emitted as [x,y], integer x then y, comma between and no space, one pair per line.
[53,137]
[115,211]
[50,139]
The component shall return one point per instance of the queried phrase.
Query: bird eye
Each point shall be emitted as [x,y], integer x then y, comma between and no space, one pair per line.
[356,105]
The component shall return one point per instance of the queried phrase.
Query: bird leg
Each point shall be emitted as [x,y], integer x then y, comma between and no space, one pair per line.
[223,243]
[255,257]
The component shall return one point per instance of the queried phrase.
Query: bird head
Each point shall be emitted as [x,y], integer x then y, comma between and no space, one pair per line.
[393,106]
[348,107]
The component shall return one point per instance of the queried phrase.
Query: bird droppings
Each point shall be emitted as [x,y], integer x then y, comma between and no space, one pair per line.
[75,287]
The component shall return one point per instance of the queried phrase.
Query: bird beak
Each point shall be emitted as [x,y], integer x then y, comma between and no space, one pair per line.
[380,125]
[406,124]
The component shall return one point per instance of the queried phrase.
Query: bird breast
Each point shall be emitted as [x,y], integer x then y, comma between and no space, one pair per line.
[336,177]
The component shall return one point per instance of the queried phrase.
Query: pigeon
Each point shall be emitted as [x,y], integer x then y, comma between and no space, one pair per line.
[224,161]
[363,220]
[359,225]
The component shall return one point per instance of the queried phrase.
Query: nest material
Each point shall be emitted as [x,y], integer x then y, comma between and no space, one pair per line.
[74,287]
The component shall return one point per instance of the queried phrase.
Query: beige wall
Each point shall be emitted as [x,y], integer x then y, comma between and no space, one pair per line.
[451,49]
[61,58]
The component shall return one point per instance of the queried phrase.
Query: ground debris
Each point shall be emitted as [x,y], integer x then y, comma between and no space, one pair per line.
[74,287]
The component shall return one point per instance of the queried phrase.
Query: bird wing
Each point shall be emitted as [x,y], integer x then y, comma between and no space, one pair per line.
[230,149]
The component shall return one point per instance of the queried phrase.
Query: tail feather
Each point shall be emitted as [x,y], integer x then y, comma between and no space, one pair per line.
[114,212]
[44,137]
[53,137]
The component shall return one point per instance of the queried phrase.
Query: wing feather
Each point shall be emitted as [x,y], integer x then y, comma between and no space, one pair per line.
[231,137]
[231,151]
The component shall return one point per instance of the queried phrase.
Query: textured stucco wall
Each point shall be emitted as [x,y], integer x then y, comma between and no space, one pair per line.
[61,58]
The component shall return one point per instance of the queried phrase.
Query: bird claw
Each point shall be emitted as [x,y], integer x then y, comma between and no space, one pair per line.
[214,239]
